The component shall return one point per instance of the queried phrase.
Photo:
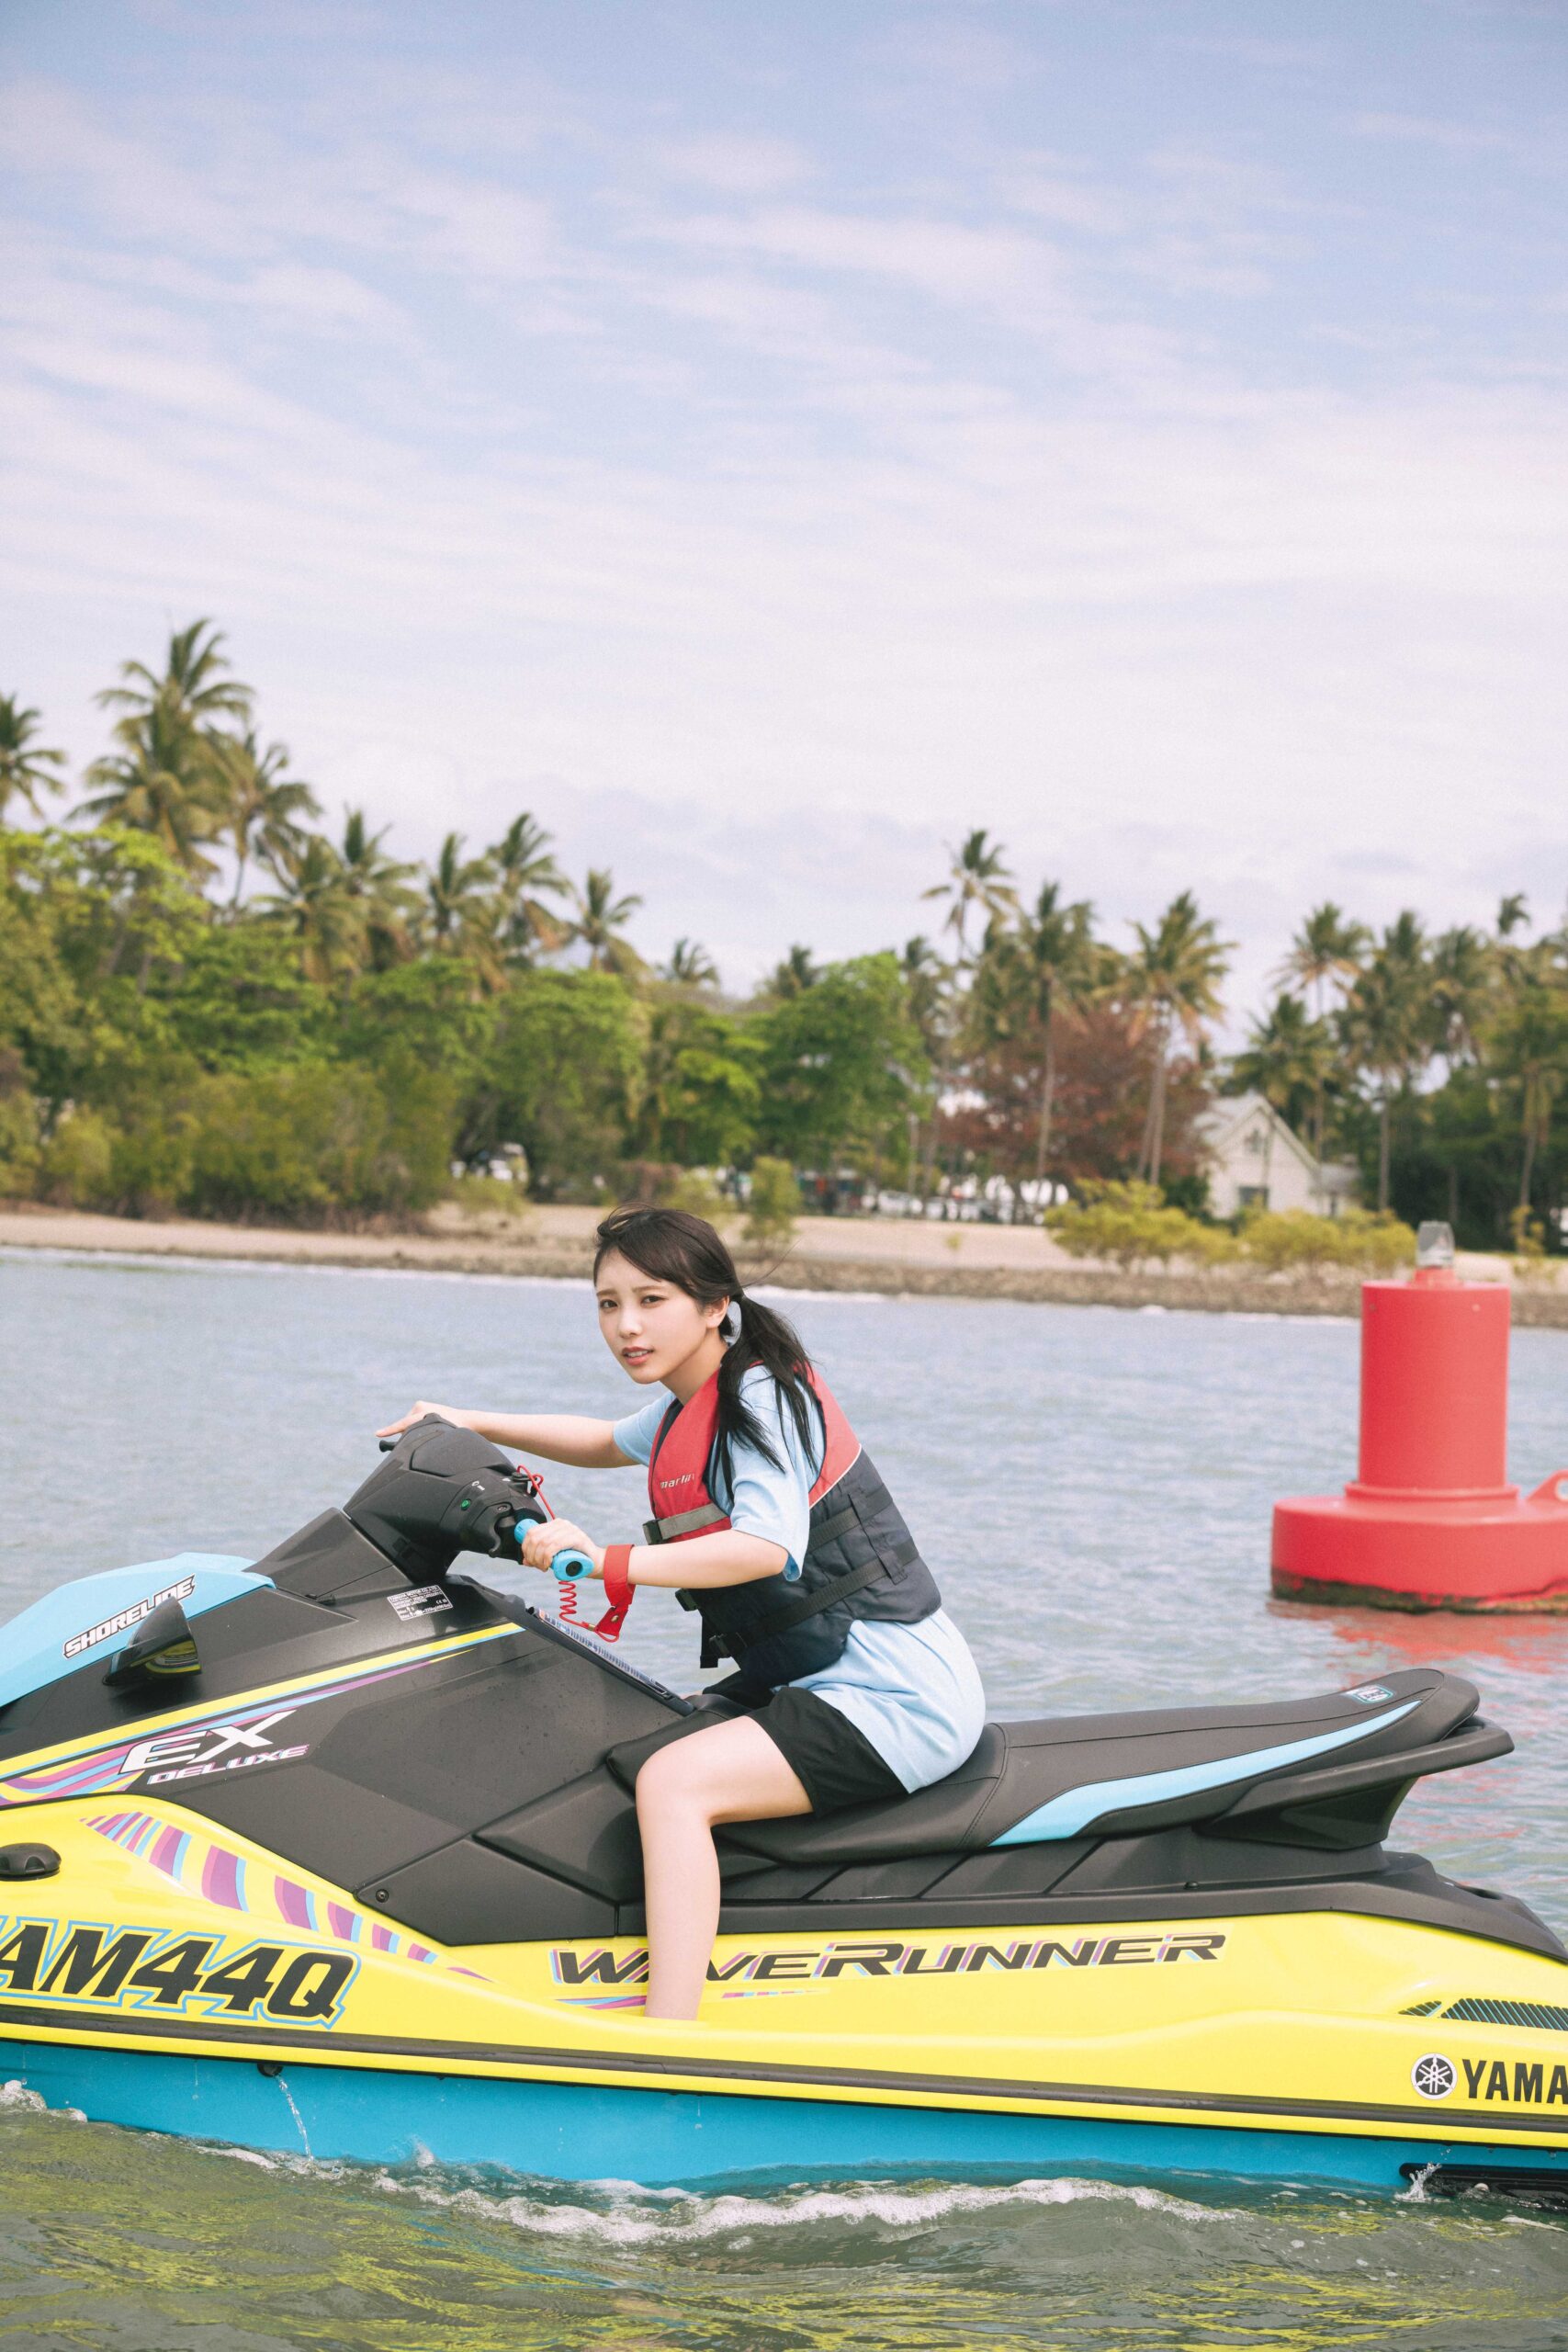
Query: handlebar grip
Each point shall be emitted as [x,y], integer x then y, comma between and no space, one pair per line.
[569,1566]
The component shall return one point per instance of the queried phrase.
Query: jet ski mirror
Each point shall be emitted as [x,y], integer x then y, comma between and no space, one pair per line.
[442,1490]
[164,1646]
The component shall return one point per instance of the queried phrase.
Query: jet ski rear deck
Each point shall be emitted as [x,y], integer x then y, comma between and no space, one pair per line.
[346,1852]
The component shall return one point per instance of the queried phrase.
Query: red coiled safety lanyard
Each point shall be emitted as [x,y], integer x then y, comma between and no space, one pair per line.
[619,1590]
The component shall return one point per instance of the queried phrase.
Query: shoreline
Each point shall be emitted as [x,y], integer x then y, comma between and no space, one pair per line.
[554,1244]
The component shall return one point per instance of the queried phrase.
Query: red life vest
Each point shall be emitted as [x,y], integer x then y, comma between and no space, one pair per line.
[861,1559]
[678,1467]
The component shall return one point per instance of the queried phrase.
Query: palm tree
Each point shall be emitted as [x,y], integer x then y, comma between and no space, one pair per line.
[167,777]
[190,678]
[1174,977]
[1386,1022]
[526,874]
[977,880]
[1326,951]
[922,969]
[1530,1044]
[163,782]
[318,908]
[24,765]
[459,900]
[1056,954]
[601,917]
[976,877]
[793,977]
[690,967]
[1464,981]
[1288,1058]
[264,807]
[382,889]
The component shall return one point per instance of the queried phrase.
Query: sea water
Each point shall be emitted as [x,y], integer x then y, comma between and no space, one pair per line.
[1093,1488]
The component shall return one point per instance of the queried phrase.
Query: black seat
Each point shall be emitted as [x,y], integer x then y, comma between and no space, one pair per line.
[1114,1775]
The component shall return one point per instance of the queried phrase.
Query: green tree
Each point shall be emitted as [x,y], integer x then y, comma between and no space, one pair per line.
[700,1087]
[1289,1058]
[238,1000]
[1463,979]
[1326,955]
[24,766]
[88,923]
[564,1073]
[526,875]
[690,967]
[797,971]
[1173,978]
[167,777]
[600,919]
[381,888]
[263,808]
[1029,974]
[1529,1047]
[462,911]
[841,1063]
[318,908]
[978,882]
[1387,1024]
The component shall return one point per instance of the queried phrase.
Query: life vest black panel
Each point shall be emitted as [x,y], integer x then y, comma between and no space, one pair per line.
[861,1559]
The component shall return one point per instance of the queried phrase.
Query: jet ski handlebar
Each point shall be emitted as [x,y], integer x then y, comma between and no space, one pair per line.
[443,1490]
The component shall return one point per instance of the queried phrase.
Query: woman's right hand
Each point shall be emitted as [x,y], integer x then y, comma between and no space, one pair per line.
[418,1413]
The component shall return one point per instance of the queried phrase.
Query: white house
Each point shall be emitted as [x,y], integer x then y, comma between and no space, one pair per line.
[1256,1161]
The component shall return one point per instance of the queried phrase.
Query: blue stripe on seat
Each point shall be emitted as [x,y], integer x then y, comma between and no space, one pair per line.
[1064,1816]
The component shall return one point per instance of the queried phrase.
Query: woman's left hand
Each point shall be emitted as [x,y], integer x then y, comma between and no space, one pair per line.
[541,1544]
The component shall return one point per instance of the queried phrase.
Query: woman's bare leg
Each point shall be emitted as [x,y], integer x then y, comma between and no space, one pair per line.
[732,1773]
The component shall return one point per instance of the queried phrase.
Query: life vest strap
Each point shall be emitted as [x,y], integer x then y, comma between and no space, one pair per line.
[786,1619]
[683,1522]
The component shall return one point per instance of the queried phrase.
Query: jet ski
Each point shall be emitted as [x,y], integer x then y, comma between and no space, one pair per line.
[336,1852]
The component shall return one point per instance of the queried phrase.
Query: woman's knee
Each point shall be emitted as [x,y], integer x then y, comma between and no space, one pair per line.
[675,1779]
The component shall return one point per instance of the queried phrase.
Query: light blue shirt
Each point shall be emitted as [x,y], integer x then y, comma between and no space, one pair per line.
[912,1690]
[770,1499]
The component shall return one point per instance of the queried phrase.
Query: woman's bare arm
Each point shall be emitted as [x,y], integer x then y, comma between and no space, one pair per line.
[572,1438]
[727,1557]
[724,1557]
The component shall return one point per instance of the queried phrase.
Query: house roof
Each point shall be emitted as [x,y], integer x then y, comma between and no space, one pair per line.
[1219,1127]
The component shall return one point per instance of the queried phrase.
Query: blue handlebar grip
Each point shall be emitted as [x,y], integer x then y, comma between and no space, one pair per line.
[567,1566]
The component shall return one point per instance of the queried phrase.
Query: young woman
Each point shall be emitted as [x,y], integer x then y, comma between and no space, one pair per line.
[770,1521]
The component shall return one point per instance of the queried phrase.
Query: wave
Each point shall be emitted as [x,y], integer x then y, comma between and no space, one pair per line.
[624,2213]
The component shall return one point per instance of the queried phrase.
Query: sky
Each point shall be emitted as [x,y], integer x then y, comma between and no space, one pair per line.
[768,441]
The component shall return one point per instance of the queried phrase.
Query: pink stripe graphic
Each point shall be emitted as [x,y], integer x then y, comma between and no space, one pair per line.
[293,1901]
[165,1851]
[220,1879]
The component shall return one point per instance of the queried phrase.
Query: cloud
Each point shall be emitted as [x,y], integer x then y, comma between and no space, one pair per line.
[1419,130]
[735,164]
[765,536]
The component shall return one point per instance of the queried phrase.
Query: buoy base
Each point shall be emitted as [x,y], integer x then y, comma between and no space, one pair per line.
[1500,1553]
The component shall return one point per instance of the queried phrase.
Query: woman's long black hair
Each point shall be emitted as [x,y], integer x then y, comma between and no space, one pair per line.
[672,1246]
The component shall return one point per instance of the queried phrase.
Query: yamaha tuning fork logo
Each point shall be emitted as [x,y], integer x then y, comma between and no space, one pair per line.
[1434,2076]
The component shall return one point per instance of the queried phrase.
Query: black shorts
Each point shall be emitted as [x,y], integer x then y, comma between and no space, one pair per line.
[835,1764]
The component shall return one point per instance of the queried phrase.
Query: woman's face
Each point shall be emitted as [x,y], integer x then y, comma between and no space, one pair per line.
[650,1327]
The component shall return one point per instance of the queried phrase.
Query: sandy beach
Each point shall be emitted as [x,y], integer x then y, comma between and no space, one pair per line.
[885,1256]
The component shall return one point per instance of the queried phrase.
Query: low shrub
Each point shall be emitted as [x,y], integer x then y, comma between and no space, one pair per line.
[21,1151]
[695,1192]
[75,1168]
[1129,1224]
[1376,1242]
[774,1203]
[1288,1241]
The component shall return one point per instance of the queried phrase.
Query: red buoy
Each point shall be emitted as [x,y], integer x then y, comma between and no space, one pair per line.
[1431,1520]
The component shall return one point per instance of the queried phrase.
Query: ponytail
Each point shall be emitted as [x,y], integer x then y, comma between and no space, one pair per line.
[672,1246]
